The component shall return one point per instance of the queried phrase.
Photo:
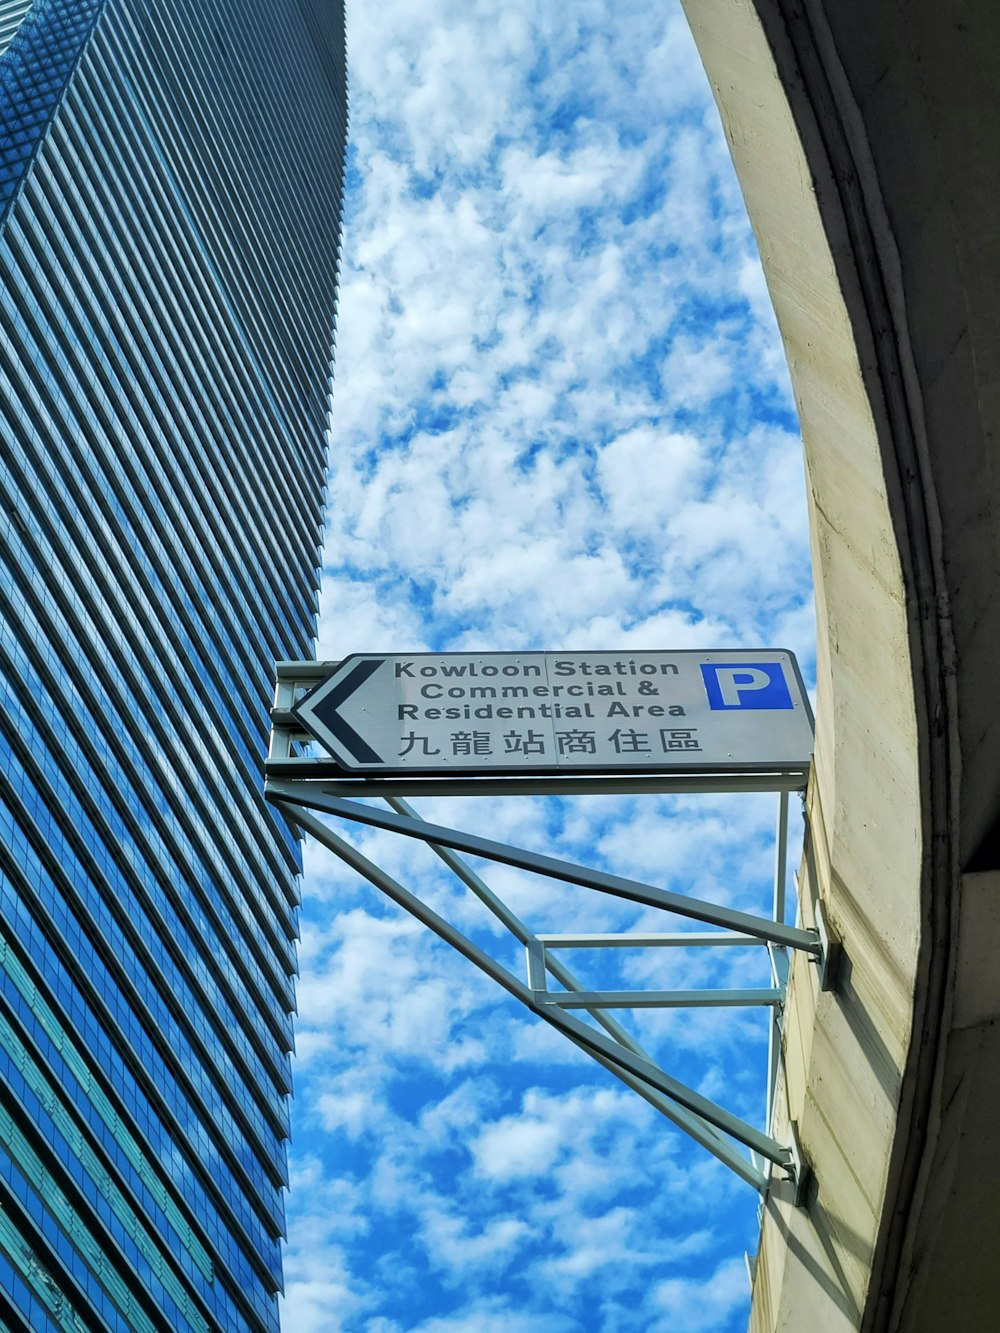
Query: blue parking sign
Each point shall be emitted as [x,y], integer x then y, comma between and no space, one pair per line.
[736,685]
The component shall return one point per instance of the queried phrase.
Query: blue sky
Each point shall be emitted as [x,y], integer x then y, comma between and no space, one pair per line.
[561,419]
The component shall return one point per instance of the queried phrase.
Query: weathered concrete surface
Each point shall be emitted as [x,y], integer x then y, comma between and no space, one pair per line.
[866,134]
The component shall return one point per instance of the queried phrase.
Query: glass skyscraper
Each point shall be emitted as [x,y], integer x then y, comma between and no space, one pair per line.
[170,193]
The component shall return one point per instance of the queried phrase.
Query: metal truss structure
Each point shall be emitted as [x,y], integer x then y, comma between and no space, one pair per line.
[304,787]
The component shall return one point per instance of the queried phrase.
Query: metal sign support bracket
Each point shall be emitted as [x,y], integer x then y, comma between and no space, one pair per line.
[304,788]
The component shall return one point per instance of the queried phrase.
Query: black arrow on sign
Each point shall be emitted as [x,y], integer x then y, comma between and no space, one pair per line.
[325,711]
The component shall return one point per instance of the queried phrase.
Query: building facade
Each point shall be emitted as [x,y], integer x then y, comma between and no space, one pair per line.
[170,191]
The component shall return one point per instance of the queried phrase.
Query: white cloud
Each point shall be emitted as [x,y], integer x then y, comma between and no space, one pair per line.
[698,1305]
[459,1251]
[645,475]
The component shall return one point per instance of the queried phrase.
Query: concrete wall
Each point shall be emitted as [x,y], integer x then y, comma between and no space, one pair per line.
[866,134]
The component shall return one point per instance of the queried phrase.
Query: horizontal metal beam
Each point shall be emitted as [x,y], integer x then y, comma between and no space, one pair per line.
[549,866]
[659,999]
[677,939]
[305,671]
[320,769]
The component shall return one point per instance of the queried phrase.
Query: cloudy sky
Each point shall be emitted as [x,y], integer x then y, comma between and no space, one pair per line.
[562,420]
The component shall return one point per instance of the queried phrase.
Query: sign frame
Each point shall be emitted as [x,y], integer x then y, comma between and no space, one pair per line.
[729,660]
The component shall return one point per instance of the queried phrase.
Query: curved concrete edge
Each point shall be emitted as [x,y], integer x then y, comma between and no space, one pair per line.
[842,122]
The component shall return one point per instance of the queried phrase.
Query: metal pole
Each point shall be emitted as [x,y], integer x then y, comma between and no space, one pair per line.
[664,999]
[654,940]
[779,955]
[781,857]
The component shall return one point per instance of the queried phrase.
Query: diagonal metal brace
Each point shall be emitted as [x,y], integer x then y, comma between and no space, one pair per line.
[540,961]
[760,927]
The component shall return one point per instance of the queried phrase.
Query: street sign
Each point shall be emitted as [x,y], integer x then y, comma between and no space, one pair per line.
[643,712]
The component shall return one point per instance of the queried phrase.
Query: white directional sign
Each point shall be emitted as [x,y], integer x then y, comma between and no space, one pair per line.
[652,712]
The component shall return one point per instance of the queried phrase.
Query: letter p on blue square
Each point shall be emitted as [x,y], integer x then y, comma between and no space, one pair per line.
[745,685]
